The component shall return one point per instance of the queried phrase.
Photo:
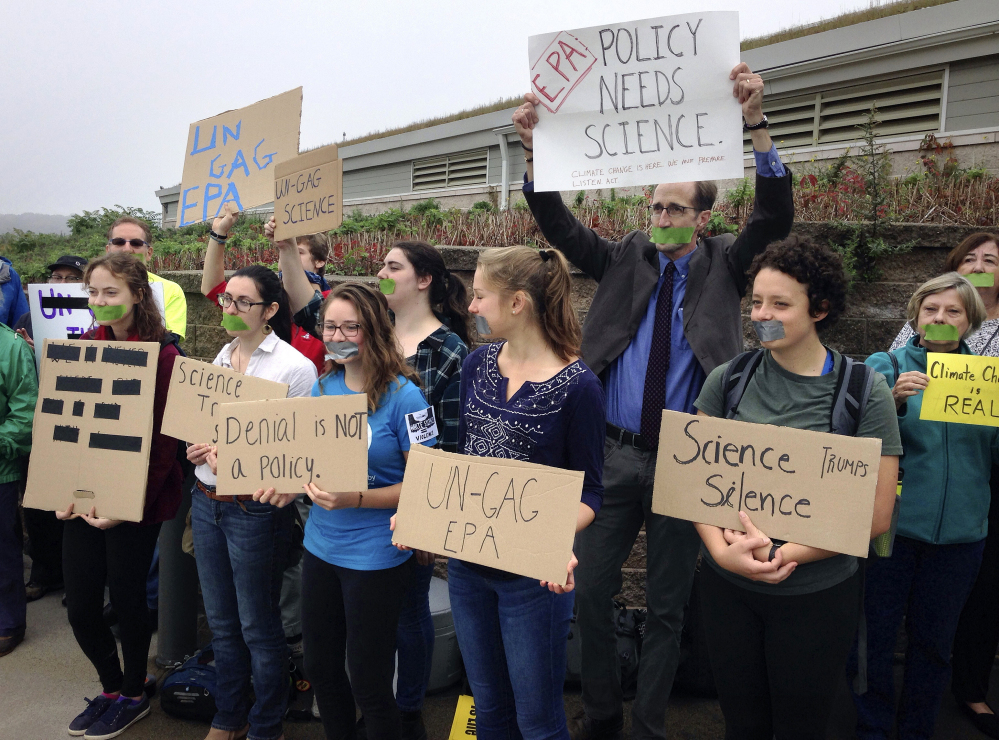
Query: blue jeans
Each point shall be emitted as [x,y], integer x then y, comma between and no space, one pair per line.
[512,635]
[13,609]
[415,642]
[928,585]
[240,548]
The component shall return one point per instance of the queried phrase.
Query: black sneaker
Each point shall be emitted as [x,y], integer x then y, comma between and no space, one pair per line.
[119,717]
[95,708]
[412,726]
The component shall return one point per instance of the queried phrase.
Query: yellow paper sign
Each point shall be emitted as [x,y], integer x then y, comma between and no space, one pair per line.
[963,389]
[464,719]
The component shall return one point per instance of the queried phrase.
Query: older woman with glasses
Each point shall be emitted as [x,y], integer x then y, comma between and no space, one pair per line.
[942,522]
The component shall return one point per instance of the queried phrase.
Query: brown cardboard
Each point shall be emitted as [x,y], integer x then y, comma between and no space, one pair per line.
[818,491]
[197,389]
[322,439]
[515,516]
[99,394]
[307,194]
[232,156]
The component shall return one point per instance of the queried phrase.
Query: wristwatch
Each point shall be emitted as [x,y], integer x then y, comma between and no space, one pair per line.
[756,126]
[773,551]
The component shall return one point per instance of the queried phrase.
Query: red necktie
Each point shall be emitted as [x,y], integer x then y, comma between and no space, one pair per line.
[654,398]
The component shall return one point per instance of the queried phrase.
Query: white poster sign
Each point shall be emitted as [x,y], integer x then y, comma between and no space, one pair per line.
[637,103]
[59,311]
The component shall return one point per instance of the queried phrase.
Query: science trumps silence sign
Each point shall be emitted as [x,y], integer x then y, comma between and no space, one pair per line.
[962,388]
[512,515]
[230,158]
[637,103]
[806,487]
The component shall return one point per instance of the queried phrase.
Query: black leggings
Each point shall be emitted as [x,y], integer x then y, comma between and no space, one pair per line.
[119,557]
[777,660]
[353,615]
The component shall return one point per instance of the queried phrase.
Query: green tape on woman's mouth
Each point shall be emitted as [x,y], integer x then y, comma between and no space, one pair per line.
[672,235]
[982,279]
[941,333]
[108,313]
[232,322]
[386,286]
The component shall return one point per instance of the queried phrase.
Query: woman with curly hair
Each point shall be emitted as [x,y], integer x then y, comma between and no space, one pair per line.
[780,616]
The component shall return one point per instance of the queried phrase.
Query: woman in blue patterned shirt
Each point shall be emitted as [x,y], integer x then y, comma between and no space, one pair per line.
[528,398]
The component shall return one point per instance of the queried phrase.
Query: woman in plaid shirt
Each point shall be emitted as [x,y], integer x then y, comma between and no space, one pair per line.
[432,325]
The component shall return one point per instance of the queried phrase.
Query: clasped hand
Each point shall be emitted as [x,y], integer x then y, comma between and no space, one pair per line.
[748,554]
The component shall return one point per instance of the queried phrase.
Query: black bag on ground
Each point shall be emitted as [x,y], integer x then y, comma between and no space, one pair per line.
[189,692]
[630,629]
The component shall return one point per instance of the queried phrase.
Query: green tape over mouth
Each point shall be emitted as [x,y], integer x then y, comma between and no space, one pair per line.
[941,333]
[982,279]
[108,313]
[386,286]
[232,322]
[672,235]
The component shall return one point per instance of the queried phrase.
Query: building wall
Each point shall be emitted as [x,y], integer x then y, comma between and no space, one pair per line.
[973,94]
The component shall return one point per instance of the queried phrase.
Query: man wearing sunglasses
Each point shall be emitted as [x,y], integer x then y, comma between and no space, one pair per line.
[133,236]
[665,314]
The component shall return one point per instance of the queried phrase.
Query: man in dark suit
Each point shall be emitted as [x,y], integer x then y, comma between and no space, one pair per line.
[662,318]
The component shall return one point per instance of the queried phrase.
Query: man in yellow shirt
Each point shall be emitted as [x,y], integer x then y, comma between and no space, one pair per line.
[131,235]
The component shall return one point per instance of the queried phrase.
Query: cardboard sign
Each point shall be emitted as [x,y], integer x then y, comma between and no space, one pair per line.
[284,444]
[811,488]
[229,157]
[60,312]
[637,103]
[197,389]
[962,388]
[515,516]
[308,194]
[92,428]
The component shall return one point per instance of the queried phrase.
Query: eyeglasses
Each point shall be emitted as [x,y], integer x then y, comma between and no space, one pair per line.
[64,279]
[242,305]
[135,243]
[348,330]
[672,210]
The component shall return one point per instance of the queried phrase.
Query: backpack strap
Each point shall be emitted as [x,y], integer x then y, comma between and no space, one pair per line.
[853,390]
[736,378]
[171,338]
[894,365]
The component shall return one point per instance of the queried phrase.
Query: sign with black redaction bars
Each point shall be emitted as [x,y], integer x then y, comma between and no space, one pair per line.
[811,488]
[92,428]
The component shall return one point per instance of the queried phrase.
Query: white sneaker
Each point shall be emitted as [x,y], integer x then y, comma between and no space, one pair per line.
[315,708]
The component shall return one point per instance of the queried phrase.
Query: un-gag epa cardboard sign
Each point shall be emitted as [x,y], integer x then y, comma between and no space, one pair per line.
[962,388]
[512,515]
[811,488]
[197,391]
[284,444]
[61,312]
[307,194]
[637,103]
[92,427]
[230,158]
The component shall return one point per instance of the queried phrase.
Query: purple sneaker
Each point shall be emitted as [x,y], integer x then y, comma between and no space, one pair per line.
[119,717]
[95,708]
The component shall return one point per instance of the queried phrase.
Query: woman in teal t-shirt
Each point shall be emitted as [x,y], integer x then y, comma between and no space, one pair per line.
[353,579]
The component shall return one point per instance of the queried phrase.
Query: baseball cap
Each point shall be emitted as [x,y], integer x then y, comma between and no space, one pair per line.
[69,260]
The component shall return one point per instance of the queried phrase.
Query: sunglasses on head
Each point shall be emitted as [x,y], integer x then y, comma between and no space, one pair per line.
[119,242]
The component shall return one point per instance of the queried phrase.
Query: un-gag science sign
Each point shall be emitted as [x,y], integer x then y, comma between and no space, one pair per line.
[230,157]
[811,488]
[637,103]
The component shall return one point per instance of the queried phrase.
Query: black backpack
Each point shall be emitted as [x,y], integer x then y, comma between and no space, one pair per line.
[853,389]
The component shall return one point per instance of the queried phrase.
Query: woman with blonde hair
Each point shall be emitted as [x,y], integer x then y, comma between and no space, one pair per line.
[942,523]
[353,579]
[527,397]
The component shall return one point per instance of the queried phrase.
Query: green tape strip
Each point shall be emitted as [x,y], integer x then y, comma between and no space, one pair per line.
[108,313]
[982,279]
[386,286]
[232,322]
[941,333]
[672,235]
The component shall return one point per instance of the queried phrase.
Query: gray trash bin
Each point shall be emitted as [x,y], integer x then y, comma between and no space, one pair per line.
[445,667]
